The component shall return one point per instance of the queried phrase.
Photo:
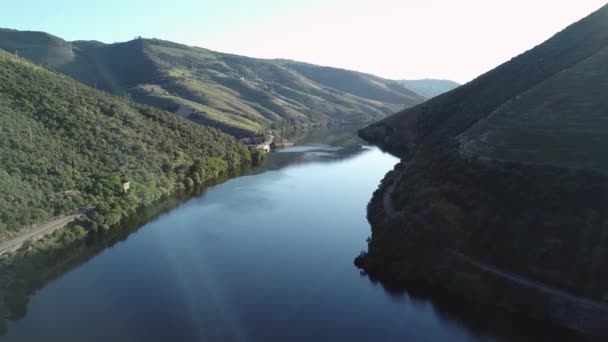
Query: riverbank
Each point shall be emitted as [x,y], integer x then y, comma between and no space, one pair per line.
[455,228]
[40,230]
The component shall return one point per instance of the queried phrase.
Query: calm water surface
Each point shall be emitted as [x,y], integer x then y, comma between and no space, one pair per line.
[263,257]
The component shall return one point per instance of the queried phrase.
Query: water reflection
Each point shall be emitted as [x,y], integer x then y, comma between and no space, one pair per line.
[24,276]
[320,145]
[312,154]
[484,322]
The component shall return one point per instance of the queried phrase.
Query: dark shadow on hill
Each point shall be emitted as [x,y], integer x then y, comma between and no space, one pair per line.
[481,320]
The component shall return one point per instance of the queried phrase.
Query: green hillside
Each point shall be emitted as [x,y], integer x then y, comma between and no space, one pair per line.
[509,170]
[41,47]
[65,146]
[363,85]
[236,94]
[561,121]
[430,87]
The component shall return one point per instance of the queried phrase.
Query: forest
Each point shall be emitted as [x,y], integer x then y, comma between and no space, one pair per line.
[65,146]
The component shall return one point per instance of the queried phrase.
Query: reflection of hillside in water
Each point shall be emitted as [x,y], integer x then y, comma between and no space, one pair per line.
[312,154]
[341,136]
[321,145]
[32,272]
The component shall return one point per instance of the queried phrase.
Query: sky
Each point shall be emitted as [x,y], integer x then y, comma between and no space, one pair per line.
[396,39]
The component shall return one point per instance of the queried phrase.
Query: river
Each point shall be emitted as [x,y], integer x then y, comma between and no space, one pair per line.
[263,257]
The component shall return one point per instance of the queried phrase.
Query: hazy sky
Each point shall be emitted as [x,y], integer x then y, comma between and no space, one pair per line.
[399,39]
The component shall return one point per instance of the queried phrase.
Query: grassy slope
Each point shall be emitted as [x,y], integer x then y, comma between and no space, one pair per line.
[266,91]
[359,84]
[234,93]
[64,145]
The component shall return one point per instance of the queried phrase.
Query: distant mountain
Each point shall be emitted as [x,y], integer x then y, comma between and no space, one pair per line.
[429,87]
[237,94]
[65,146]
[508,173]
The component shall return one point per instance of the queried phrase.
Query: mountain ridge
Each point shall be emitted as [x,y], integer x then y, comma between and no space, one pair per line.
[237,94]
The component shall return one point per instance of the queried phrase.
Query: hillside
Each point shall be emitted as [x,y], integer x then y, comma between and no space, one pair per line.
[236,94]
[430,87]
[65,146]
[561,121]
[508,170]
[41,47]
[446,117]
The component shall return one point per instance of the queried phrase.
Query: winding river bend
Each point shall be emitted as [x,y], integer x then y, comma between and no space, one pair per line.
[263,257]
